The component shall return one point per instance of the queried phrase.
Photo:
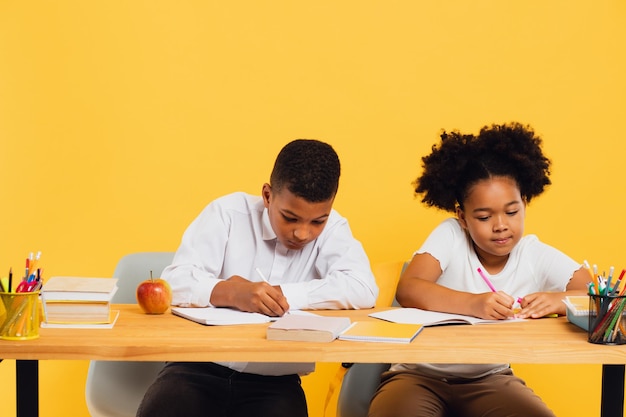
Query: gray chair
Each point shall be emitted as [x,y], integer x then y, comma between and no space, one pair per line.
[361,379]
[115,389]
[357,388]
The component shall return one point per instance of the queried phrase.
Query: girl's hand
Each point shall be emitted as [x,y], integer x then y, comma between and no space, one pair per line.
[540,304]
[492,305]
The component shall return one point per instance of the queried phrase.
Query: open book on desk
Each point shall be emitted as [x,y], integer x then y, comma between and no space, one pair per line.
[431,318]
[221,316]
[218,316]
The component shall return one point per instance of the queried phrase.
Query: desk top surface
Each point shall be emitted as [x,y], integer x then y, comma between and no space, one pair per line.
[140,337]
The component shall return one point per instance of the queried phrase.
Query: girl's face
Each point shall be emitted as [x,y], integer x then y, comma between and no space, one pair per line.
[493,216]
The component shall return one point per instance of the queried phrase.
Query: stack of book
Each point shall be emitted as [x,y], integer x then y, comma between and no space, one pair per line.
[78,301]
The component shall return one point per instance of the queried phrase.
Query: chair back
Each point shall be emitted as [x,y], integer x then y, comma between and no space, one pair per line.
[362,379]
[136,267]
[358,387]
[116,388]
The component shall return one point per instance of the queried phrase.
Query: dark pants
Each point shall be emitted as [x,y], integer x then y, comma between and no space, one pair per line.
[199,389]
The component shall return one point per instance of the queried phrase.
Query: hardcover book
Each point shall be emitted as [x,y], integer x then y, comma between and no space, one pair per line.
[79,289]
[308,328]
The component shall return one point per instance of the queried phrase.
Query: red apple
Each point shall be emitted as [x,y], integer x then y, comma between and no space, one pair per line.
[154,295]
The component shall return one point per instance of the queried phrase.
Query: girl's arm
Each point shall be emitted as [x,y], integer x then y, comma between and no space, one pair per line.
[541,304]
[418,288]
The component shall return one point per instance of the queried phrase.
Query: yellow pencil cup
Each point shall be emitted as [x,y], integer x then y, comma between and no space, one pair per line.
[19,315]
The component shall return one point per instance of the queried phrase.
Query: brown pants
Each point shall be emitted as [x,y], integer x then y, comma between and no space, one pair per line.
[408,394]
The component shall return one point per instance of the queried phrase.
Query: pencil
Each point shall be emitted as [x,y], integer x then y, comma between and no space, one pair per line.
[261,274]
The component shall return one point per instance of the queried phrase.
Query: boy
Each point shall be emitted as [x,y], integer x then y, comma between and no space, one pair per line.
[287,249]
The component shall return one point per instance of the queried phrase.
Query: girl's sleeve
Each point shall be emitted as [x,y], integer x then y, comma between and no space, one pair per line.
[557,268]
[441,241]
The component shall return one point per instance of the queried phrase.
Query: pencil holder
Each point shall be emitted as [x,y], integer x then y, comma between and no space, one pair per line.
[606,319]
[19,315]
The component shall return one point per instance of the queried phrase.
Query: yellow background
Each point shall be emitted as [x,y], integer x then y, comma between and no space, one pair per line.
[121,120]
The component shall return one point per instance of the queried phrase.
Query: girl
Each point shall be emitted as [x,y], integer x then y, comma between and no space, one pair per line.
[487,181]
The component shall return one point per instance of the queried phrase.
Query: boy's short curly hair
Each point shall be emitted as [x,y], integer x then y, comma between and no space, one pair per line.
[461,160]
[308,168]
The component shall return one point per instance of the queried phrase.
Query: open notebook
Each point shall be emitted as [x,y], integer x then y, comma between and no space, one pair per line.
[220,316]
[431,318]
[216,316]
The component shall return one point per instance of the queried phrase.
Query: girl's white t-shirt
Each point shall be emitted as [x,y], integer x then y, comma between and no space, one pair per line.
[532,266]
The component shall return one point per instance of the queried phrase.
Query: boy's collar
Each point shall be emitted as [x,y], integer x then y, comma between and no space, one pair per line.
[268,232]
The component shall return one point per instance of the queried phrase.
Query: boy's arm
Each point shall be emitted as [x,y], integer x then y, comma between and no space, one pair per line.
[418,288]
[346,279]
[193,276]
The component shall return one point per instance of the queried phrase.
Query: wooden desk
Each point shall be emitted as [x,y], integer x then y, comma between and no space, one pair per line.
[140,337]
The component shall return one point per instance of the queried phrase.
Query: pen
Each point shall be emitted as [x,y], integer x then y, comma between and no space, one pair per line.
[37,286]
[618,284]
[609,279]
[484,277]
[594,278]
[591,289]
[33,263]
[493,289]
[261,274]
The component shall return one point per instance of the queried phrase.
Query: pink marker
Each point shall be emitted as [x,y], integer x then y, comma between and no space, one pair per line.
[484,277]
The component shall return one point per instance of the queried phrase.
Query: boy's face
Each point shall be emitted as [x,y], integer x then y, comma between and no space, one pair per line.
[295,220]
[493,215]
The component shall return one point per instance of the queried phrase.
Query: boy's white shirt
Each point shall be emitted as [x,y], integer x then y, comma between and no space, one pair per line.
[233,236]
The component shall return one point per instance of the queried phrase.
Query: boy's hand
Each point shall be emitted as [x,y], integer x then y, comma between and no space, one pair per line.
[541,304]
[257,297]
[492,305]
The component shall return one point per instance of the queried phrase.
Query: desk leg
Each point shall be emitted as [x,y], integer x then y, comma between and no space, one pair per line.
[27,386]
[612,401]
